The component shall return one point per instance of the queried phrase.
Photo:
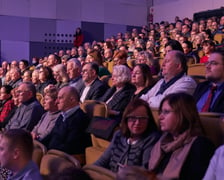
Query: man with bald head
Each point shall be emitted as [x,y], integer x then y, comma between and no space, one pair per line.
[174,69]
[69,134]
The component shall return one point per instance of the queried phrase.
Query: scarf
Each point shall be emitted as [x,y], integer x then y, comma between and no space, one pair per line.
[179,147]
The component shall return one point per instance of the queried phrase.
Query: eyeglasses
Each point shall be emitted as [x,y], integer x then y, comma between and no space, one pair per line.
[212,63]
[135,118]
[165,112]
[20,92]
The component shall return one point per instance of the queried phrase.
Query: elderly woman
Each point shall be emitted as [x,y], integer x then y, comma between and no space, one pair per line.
[119,95]
[181,153]
[47,121]
[141,77]
[145,57]
[60,75]
[133,143]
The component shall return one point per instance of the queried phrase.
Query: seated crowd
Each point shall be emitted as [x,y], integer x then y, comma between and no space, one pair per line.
[131,74]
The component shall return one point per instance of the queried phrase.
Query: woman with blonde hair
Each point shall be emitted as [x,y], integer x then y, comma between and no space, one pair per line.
[60,75]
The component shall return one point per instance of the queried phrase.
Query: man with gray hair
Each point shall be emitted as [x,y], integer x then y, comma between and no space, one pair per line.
[74,69]
[29,112]
[174,69]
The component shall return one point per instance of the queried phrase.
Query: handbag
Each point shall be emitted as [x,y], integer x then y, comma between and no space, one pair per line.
[103,127]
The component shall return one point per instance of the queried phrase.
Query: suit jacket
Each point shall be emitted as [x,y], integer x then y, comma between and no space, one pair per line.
[97,89]
[218,105]
[121,99]
[70,135]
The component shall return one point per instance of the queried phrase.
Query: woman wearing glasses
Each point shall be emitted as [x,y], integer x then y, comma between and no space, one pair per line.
[181,153]
[132,144]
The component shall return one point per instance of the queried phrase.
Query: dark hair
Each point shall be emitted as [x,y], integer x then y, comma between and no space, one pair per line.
[180,56]
[130,108]
[47,72]
[184,106]
[94,66]
[147,75]
[20,138]
[71,173]
[25,62]
[189,44]
[96,55]
[175,45]
[220,52]
[8,88]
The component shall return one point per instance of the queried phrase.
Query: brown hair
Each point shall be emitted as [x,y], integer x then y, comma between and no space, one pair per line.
[131,107]
[185,108]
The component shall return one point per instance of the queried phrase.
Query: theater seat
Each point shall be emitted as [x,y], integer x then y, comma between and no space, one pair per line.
[213,126]
[57,161]
[38,152]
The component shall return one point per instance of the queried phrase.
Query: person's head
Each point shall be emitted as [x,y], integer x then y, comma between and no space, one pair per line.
[14,64]
[121,75]
[15,96]
[68,97]
[35,76]
[4,65]
[141,75]
[16,149]
[23,64]
[52,60]
[108,53]
[60,74]
[50,97]
[64,59]
[27,76]
[187,47]
[208,46]
[185,28]
[221,21]
[120,57]
[215,67]
[95,56]
[174,63]
[90,72]
[74,51]
[61,53]
[74,68]
[5,92]
[26,91]
[214,26]
[144,57]
[45,73]
[137,120]
[15,74]
[81,51]
[173,45]
[178,113]
[71,173]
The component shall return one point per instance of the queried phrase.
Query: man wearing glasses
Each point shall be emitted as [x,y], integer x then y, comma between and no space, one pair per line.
[210,94]
[29,112]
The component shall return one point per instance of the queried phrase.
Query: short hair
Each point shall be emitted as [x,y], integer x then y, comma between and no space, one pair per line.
[72,91]
[220,52]
[189,44]
[25,62]
[123,72]
[62,72]
[21,138]
[184,106]
[8,88]
[180,56]
[135,103]
[30,86]
[75,62]
[175,45]
[94,67]
[51,91]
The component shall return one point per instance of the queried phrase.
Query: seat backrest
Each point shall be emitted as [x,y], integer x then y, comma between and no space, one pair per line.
[196,69]
[94,108]
[155,113]
[38,152]
[99,173]
[57,161]
[213,126]
[99,142]
[39,97]
[219,37]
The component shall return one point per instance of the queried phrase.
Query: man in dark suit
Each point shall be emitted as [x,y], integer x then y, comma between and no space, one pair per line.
[210,94]
[92,88]
[69,134]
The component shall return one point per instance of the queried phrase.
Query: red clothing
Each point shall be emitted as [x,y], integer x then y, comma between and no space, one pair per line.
[78,40]
[6,108]
[204,59]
